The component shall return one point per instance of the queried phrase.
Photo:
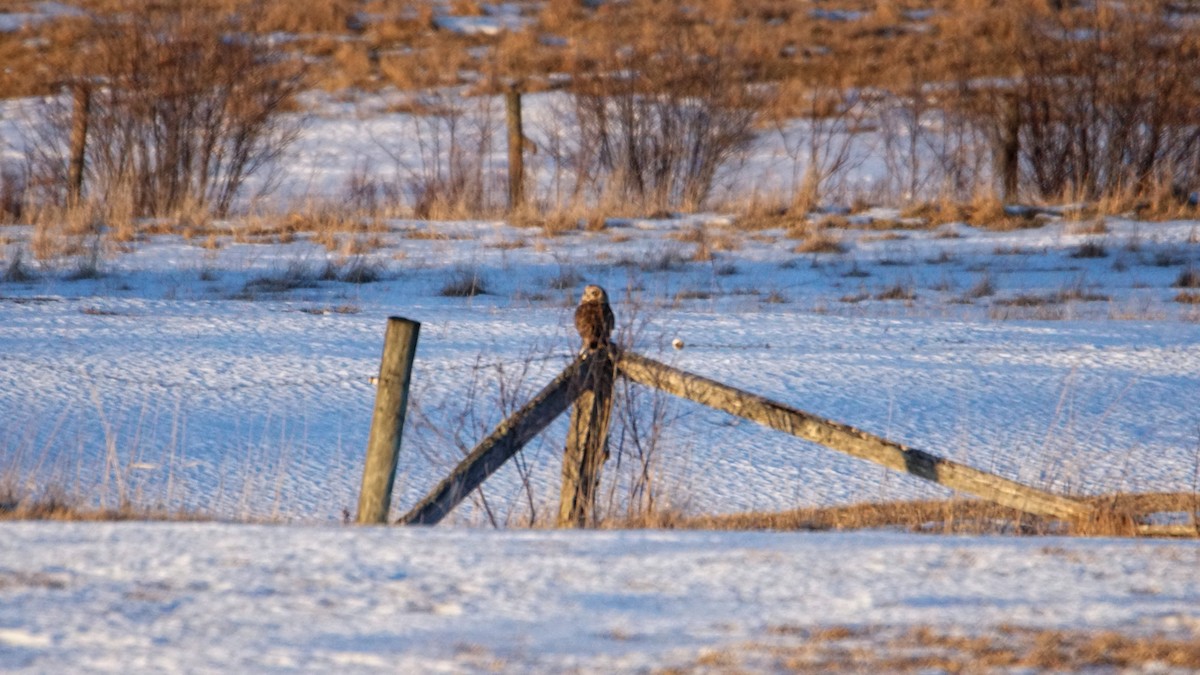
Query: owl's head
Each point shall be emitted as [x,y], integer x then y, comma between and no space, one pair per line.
[593,293]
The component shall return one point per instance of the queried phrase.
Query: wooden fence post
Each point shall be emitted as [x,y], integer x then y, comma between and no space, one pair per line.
[587,443]
[82,93]
[387,422]
[516,149]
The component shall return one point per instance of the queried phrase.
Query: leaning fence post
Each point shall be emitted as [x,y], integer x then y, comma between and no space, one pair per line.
[587,442]
[387,422]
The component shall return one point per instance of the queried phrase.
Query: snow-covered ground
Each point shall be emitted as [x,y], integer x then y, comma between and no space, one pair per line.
[121,597]
[235,380]
[179,377]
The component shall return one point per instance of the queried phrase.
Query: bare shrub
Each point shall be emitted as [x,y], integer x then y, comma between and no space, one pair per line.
[184,106]
[821,147]
[659,117]
[449,175]
[1100,100]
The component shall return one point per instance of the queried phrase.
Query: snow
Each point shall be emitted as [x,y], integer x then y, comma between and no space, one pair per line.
[198,387]
[235,381]
[217,597]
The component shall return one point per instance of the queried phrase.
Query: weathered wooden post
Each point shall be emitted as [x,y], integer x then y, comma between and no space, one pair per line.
[516,148]
[387,422]
[587,442]
[1008,150]
[82,95]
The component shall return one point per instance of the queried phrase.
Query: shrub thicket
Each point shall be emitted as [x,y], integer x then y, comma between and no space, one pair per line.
[184,106]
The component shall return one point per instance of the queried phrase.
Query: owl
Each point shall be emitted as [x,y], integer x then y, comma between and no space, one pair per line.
[594,318]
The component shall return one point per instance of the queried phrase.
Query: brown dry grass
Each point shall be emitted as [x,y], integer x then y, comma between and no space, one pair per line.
[807,57]
[1115,515]
[1005,648]
[62,509]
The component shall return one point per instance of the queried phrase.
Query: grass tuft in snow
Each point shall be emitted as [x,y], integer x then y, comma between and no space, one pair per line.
[1090,249]
[465,283]
[1188,278]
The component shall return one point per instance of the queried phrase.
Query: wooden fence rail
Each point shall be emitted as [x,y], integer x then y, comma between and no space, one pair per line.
[846,439]
[588,383]
[504,442]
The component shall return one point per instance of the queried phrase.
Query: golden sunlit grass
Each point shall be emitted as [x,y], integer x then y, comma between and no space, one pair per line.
[922,649]
[1114,515]
[63,509]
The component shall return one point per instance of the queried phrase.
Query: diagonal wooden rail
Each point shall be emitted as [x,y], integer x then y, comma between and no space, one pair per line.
[504,442]
[847,439]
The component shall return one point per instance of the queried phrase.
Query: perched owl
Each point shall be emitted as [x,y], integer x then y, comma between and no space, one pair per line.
[594,318]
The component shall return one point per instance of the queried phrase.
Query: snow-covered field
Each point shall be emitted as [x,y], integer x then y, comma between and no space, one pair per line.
[123,597]
[235,381]
[180,377]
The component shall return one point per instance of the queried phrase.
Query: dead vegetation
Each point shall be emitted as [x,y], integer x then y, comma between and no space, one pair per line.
[1114,515]
[59,507]
[922,649]
[661,100]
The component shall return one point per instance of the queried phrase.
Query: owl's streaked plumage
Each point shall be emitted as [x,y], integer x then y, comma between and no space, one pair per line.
[594,318]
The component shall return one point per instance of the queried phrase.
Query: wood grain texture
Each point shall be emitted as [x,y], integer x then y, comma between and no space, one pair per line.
[587,442]
[387,420]
[847,439]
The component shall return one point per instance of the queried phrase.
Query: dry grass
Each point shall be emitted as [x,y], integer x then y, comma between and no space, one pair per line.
[819,241]
[924,649]
[465,283]
[1115,515]
[809,57]
[59,508]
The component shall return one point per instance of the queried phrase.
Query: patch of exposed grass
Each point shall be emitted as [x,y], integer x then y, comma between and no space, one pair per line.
[820,241]
[333,309]
[1168,258]
[775,297]
[55,507]
[692,294]
[1116,515]
[982,288]
[897,291]
[297,275]
[1004,648]
[465,283]
[1188,278]
[356,270]
[1090,249]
